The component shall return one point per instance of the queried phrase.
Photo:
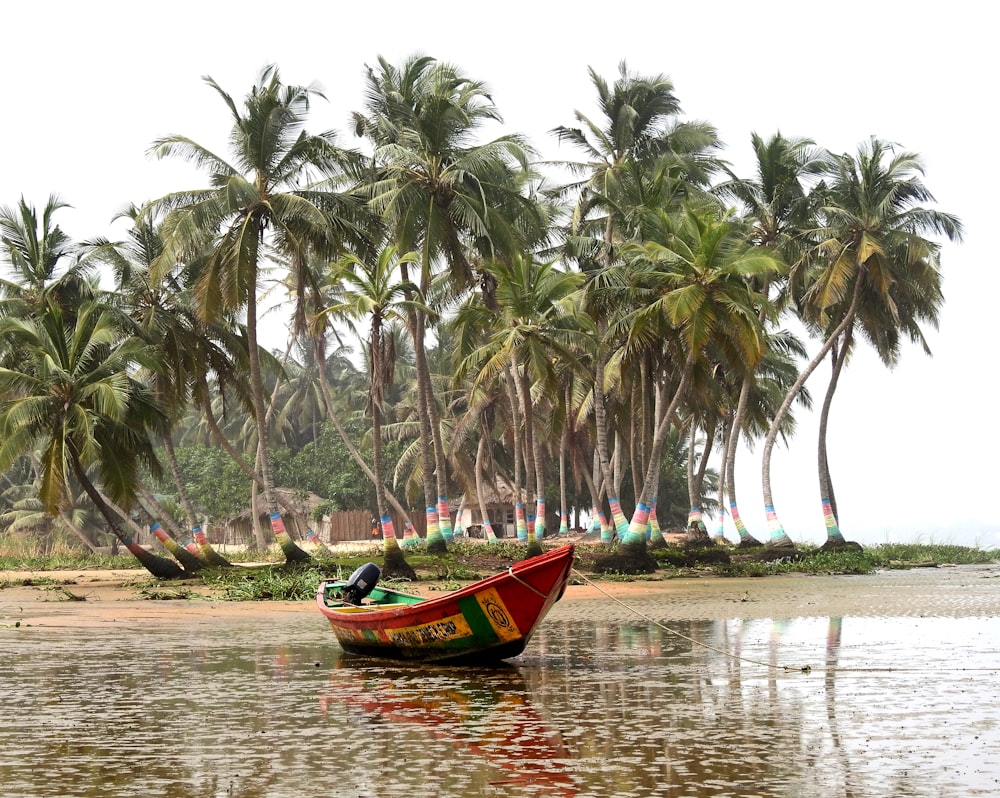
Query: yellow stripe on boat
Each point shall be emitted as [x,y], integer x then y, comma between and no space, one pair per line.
[453,627]
[498,616]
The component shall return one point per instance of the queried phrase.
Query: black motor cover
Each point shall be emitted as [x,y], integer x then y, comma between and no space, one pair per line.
[361,583]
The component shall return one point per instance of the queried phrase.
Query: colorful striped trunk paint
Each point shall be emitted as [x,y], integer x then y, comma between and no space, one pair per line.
[278,528]
[530,523]
[210,555]
[444,518]
[433,529]
[778,536]
[595,520]
[388,528]
[320,546]
[655,534]
[563,523]
[741,529]
[606,535]
[488,532]
[161,535]
[833,532]
[618,517]
[520,523]
[539,518]
[636,532]
[410,536]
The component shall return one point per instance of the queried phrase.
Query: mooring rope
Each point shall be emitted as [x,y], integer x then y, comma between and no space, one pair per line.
[665,628]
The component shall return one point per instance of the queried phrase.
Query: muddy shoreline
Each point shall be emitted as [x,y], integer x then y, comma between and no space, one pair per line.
[78,599]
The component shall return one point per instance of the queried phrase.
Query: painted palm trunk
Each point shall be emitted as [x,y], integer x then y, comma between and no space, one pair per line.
[539,519]
[655,532]
[433,527]
[520,522]
[489,620]
[321,548]
[618,518]
[776,530]
[211,556]
[636,532]
[833,532]
[410,535]
[444,518]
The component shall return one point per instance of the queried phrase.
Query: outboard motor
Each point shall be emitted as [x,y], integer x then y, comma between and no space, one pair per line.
[361,583]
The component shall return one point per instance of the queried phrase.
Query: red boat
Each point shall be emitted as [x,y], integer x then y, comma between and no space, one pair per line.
[490,620]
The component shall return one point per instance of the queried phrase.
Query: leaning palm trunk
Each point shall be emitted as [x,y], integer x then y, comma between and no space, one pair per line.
[778,535]
[210,555]
[352,449]
[603,474]
[656,539]
[435,540]
[834,537]
[319,547]
[697,531]
[532,460]
[394,564]
[188,559]
[634,557]
[488,532]
[563,504]
[747,541]
[180,553]
[160,567]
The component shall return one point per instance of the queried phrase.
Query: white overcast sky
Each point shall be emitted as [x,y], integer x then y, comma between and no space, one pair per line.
[88,86]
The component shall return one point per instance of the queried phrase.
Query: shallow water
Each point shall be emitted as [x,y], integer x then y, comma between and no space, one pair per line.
[235,707]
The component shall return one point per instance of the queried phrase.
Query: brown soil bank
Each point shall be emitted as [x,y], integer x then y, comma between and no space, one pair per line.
[88,598]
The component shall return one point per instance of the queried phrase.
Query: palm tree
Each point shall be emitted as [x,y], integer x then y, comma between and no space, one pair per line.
[187,350]
[871,240]
[777,205]
[261,202]
[371,292]
[533,328]
[42,259]
[73,395]
[637,132]
[697,272]
[445,196]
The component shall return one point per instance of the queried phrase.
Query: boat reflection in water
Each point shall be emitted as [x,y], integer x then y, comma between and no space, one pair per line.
[472,729]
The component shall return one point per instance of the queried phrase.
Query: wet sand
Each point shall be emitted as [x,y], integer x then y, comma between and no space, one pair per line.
[74,599]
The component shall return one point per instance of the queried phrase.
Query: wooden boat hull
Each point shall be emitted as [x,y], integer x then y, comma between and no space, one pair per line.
[490,620]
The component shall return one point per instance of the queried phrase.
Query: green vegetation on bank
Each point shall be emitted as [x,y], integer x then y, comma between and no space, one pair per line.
[277,581]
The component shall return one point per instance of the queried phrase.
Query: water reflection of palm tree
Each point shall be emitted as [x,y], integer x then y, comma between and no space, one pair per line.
[829,684]
[483,712]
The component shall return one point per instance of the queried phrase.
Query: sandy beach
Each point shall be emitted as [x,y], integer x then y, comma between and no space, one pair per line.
[75,599]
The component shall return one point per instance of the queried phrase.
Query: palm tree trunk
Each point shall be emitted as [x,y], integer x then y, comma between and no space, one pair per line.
[746,539]
[435,540]
[288,547]
[563,447]
[834,537]
[636,536]
[778,536]
[334,418]
[488,532]
[160,567]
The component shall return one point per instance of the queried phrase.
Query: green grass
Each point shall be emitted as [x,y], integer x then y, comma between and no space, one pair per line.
[466,562]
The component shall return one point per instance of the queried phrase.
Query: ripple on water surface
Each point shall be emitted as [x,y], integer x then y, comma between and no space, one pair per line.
[888,707]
